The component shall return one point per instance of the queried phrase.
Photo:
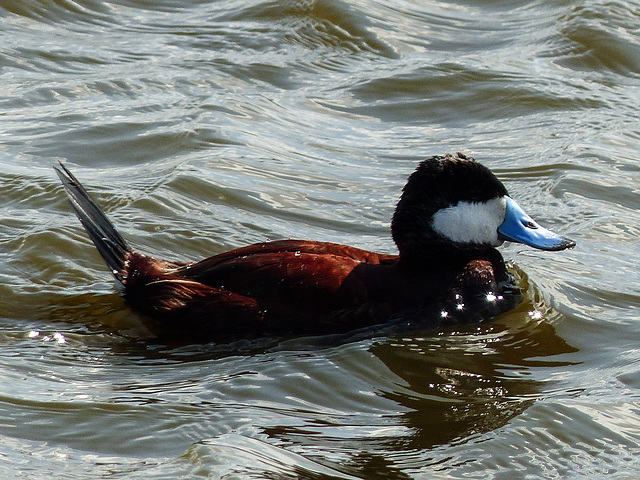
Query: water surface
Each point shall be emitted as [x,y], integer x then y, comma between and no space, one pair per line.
[206,125]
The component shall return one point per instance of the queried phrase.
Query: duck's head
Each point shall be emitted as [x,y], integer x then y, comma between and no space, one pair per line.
[457,204]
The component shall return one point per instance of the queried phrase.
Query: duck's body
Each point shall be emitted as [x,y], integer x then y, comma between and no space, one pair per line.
[302,287]
[307,287]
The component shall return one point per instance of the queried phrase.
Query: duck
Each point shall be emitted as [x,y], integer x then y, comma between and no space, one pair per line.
[452,214]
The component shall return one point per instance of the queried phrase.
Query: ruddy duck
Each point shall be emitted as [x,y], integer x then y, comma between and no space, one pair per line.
[452,214]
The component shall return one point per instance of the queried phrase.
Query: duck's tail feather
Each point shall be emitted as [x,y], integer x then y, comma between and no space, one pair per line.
[110,244]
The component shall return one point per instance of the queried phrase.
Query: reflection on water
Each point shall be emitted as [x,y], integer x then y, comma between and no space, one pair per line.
[468,382]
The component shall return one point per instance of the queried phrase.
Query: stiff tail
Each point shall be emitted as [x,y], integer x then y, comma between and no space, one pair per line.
[104,235]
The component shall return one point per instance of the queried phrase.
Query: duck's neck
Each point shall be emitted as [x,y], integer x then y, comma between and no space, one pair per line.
[436,257]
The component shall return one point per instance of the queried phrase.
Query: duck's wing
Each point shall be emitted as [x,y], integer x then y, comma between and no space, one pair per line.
[292,276]
[303,268]
[276,286]
[298,247]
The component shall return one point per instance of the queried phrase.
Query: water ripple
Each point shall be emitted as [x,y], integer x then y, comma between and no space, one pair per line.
[203,125]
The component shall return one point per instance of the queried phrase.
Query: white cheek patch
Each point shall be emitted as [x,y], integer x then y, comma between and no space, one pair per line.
[471,222]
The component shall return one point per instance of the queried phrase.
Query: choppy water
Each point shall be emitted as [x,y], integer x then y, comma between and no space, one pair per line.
[206,125]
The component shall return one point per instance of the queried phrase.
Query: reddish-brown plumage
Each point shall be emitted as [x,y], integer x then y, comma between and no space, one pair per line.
[264,288]
[296,286]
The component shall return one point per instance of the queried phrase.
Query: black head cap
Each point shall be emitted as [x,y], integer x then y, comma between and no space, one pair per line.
[439,182]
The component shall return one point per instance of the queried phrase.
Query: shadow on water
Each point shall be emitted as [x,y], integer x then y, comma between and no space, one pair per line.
[468,381]
[458,384]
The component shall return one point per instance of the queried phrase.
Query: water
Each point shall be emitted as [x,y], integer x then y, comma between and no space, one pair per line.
[206,125]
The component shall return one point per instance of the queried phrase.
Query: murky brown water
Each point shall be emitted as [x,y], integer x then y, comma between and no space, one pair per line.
[206,125]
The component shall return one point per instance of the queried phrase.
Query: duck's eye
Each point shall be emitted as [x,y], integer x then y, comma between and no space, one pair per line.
[530,224]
